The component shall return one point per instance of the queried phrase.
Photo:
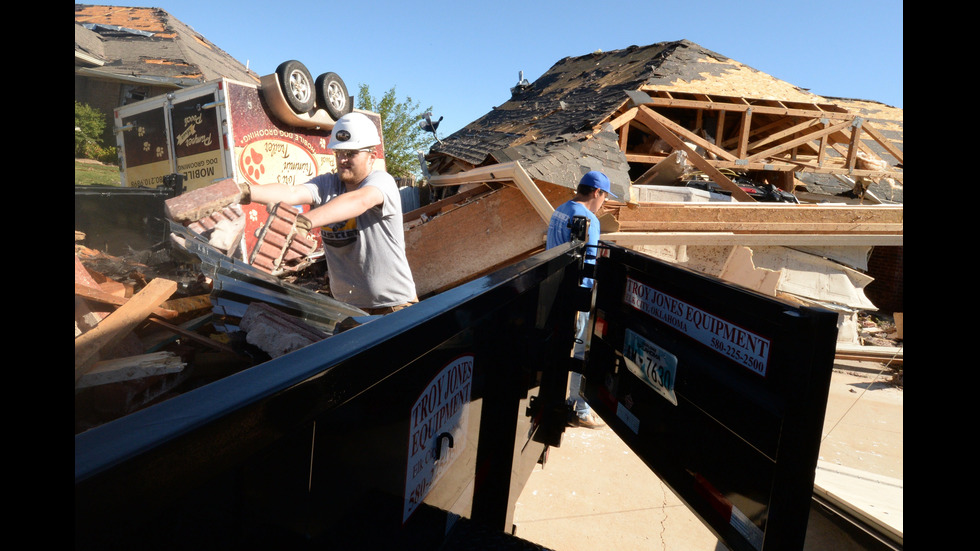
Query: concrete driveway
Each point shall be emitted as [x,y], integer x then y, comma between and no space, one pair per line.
[595,494]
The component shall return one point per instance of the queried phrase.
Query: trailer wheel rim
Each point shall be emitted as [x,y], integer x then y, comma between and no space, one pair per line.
[299,86]
[336,96]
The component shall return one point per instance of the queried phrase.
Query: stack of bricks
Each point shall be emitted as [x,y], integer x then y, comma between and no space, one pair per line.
[209,222]
[278,247]
[199,203]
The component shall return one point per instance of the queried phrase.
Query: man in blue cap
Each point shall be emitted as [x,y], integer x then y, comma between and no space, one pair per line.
[592,191]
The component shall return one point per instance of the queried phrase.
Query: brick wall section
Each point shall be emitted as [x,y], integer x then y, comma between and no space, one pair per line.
[887,266]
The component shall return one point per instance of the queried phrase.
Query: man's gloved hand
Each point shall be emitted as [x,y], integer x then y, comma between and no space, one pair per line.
[302,225]
[246,193]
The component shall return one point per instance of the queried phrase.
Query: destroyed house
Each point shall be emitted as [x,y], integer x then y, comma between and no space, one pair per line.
[673,122]
[607,110]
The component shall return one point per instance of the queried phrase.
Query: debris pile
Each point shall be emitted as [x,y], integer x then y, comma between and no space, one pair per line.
[154,324]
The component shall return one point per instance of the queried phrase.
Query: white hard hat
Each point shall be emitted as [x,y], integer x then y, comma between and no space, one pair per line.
[354,131]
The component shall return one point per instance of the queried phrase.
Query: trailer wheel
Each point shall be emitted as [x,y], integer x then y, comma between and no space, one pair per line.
[297,85]
[331,94]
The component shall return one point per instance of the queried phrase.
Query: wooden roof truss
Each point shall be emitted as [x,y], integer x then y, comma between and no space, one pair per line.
[742,134]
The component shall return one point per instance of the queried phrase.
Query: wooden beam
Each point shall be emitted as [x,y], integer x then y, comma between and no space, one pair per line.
[652,119]
[664,172]
[132,367]
[437,207]
[743,133]
[623,119]
[103,297]
[786,146]
[503,172]
[634,238]
[783,133]
[763,218]
[720,129]
[883,141]
[836,113]
[852,148]
[684,133]
[119,323]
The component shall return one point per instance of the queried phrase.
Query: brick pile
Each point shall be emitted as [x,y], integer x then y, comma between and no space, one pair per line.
[278,247]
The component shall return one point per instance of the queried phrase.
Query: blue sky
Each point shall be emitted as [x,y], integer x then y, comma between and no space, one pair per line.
[462,57]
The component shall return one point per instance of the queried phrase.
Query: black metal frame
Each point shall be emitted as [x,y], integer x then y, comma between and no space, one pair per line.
[741,444]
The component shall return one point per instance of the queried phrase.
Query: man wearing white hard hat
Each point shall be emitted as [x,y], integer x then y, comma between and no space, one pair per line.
[359,213]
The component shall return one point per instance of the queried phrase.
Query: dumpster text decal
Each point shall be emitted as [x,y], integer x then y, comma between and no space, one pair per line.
[744,347]
[437,430]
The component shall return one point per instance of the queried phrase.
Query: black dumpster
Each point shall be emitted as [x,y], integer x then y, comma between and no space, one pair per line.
[387,436]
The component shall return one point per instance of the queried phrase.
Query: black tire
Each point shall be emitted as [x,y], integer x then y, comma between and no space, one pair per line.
[331,94]
[297,85]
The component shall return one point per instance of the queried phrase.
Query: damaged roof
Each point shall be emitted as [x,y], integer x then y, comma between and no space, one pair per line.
[148,44]
[560,110]
[557,126]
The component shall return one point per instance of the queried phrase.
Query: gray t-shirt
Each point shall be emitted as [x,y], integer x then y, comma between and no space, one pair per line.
[365,256]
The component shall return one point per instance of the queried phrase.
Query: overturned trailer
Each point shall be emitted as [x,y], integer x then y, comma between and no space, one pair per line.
[418,430]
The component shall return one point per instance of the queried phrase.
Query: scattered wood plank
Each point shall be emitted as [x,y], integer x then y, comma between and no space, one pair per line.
[153,341]
[130,368]
[200,339]
[634,238]
[119,323]
[762,218]
[503,172]
[99,295]
[664,172]
[188,304]
[886,354]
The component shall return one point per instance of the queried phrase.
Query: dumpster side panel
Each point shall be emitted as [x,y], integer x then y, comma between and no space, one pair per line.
[721,391]
[382,436]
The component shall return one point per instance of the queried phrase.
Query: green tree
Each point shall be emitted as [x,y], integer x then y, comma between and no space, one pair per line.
[403,137]
[89,124]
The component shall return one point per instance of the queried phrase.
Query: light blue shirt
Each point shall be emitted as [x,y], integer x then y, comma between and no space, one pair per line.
[559,232]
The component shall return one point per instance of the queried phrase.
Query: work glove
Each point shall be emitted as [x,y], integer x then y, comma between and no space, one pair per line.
[302,225]
[246,193]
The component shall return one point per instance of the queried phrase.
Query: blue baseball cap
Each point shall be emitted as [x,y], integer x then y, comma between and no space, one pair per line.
[597,180]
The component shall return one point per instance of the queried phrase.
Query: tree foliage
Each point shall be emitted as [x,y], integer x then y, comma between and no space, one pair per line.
[403,138]
[89,125]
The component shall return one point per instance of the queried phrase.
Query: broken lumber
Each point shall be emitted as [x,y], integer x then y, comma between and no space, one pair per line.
[887,354]
[99,295]
[118,324]
[635,238]
[130,368]
[503,172]
[762,218]
[191,335]
[664,172]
